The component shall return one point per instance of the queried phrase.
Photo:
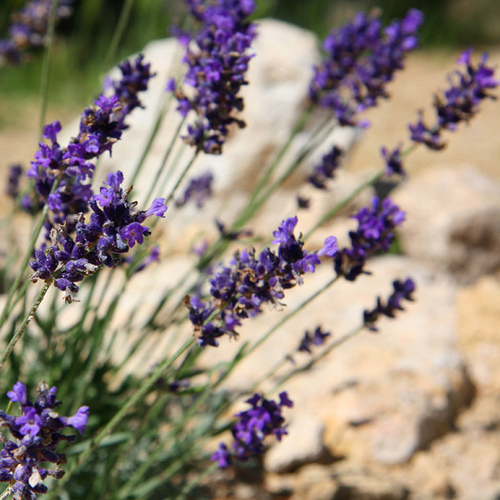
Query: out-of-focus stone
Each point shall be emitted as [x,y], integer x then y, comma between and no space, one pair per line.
[361,483]
[453,222]
[306,446]
[478,307]
[315,482]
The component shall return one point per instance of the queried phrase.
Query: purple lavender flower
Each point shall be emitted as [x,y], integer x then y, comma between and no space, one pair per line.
[29,30]
[114,227]
[13,181]
[316,338]
[36,434]
[263,419]
[326,169]
[361,58]
[154,256]
[393,161]
[459,103]
[199,190]
[101,126]
[375,233]
[239,291]
[403,290]
[217,60]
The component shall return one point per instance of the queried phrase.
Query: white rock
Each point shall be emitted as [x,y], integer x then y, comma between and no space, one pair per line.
[453,221]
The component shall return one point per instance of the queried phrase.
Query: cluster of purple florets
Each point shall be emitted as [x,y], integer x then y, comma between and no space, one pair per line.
[316,338]
[239,290]
[326,169]
[36,433]
[29,28]
[115,226]
[101,126]
[403,290]
[218,59]
[459,103]
[375,233]
[263,419]
[361,58]
[199,190]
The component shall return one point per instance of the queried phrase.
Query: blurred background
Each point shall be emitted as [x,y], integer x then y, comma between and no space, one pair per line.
[82,47]
[84,38]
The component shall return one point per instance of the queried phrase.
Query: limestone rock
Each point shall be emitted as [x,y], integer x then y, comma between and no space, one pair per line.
[305,447]
[453,222]
[315,482]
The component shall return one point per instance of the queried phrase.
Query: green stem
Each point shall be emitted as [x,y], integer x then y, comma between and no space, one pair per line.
[6,310]
[152,136]
[141,392]
[118,34]
[181,178]
[44,84]
[6,493]
[192,484]
[165,160]
[343,203]
[299,125]
[320,356]
[22,328]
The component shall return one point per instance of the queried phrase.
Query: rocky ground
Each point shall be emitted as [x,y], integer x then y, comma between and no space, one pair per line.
[411,412]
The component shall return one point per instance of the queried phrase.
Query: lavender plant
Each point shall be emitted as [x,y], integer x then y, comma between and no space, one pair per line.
[153,435]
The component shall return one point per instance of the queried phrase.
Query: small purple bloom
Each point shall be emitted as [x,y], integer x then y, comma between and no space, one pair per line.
[330,248]
[79,419]
[18,393]
[403,290]
[263,419]
[30,422]
[217,60]
[375,233]
[317,338]
[393,161]
[133,233]
[158,208]
[285,231]
[459,103]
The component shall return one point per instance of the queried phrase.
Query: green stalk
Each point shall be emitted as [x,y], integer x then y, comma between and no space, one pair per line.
[24,264]
[181,178]
[343,203]
[152,136]
[192,484]
[164,161]
[320,356]
[44,84]
[150,381]
[6,493]
[298,127]
[22,328]
[118,34]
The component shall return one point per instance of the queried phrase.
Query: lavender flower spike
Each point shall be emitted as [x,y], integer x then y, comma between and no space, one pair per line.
[29,30]
[239,291]
[459,103]
[114,227]
[36,434]
[263,419]
[317,338]
[403,290]
[361,58]
[218,60]
[375,233]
